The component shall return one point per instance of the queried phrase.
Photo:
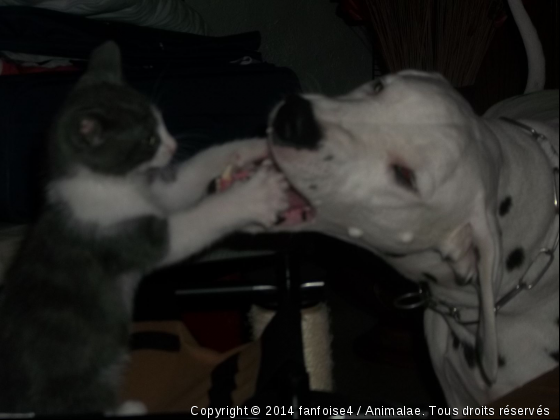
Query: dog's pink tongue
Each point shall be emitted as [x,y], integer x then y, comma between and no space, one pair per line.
[299,211]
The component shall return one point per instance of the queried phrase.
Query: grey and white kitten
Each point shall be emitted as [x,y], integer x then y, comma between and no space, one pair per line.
[65,309]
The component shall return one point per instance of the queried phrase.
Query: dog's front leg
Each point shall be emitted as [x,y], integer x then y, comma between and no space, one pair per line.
[256,202]
[193,177]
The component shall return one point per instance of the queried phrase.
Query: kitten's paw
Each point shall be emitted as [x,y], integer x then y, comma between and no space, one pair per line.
[266,197]
[249,152]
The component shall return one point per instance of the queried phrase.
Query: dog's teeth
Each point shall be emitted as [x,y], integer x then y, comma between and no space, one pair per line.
[355,232]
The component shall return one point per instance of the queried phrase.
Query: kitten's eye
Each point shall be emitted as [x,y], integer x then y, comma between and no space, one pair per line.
[377,86]
[405,177]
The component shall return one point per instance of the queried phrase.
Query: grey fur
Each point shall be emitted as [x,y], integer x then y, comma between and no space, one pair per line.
[64,319]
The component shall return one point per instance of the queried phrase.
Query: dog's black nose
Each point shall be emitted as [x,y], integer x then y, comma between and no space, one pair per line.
[295,125]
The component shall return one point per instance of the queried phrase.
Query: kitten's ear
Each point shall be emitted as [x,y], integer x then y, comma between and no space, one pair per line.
[104,65]
[90,133]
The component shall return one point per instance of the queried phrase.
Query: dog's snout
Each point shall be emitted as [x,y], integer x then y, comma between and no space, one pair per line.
[295,124]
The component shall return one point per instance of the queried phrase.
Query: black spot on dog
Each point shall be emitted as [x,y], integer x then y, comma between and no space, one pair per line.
[515,259]
[505,206]
[554,355]
[212,187]
[463,281]
[430,277]
[501,361]
[477,254]
[456,342]
[328,158]
[470,355]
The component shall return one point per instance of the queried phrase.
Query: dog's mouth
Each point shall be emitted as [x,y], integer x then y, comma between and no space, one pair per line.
[300,209]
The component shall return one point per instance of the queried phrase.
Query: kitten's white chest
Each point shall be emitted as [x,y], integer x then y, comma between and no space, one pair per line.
[129,284]
[102,200]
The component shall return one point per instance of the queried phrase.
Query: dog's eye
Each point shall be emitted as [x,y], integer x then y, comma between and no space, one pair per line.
[405,177]
[377,86]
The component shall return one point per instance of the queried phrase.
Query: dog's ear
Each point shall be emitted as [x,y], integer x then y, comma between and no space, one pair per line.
[487,241]
[474,252]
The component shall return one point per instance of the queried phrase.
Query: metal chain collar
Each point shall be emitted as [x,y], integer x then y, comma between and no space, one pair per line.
[424,298]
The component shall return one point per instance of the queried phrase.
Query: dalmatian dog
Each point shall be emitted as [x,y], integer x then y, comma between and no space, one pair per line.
[464,205]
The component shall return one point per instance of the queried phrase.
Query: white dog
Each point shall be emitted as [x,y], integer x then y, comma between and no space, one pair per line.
[464,205]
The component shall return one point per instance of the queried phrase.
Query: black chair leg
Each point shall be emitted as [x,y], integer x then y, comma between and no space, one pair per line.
[297,378]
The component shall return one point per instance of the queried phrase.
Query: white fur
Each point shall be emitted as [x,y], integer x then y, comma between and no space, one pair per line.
[166,149]
[355,232]
[465,166]
[258,201]
[129,284]
[194,176]
[101,199]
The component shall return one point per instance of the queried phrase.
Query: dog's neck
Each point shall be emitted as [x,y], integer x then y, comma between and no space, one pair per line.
[527,211]
[526,202]
[528,220]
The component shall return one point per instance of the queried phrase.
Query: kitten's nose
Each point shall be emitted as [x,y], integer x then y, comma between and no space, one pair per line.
[295,125]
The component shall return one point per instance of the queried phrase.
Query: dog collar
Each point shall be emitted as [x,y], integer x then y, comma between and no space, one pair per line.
[424,298]
[547,253]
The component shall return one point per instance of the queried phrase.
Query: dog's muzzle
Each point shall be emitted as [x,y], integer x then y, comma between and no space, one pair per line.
[295,125]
